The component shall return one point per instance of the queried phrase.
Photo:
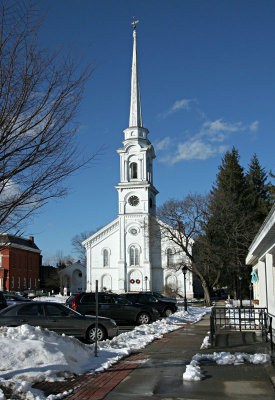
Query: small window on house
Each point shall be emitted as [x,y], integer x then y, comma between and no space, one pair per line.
[12,282]
[133,170]
[134,255]
[19,282]
[25,283]
[169,257]
[105,258]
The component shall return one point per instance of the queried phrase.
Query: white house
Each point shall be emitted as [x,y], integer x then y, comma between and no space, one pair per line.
[124,255]
[73,279]
[261,256]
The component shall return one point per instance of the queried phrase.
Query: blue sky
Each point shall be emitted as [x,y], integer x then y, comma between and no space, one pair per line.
[207,83]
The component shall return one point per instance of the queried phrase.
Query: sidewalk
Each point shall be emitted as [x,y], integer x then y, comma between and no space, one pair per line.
[156,372]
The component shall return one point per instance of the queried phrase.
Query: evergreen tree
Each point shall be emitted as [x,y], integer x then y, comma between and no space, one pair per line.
[259,197]
[228,224]
[231,177]
[237,206]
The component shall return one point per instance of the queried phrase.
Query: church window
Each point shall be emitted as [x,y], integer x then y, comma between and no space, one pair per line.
[169,257]
[151,203]
[133,170]
[105,258]
[134,255]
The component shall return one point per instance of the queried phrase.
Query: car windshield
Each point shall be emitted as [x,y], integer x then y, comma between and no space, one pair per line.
[157,295]
[7,310]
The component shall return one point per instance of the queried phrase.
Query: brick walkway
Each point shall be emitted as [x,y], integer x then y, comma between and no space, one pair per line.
[97,386]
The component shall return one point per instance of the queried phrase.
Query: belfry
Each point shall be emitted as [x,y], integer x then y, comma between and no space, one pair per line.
[123,255]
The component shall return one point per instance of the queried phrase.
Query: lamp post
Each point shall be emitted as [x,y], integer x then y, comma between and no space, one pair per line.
[241,300]
[250,294]
[184,270]
[146,279]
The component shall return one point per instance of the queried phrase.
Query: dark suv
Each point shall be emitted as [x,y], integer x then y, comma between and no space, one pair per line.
[113,306]
[164,307]
[3,302]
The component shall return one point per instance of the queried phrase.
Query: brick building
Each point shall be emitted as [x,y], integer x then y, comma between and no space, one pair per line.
[20,261]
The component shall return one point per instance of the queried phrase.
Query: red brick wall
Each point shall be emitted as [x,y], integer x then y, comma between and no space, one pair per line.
[21,265]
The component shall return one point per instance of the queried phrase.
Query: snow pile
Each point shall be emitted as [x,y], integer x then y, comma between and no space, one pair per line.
[40,353]
[206,344]
[193,370]
[31,354]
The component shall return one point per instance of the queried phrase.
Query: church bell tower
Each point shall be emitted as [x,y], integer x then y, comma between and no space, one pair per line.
[137,193]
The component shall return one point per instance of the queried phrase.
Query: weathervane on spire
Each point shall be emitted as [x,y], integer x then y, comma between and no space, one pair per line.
[134,23]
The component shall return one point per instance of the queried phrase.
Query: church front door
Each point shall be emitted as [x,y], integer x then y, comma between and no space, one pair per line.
[135,281]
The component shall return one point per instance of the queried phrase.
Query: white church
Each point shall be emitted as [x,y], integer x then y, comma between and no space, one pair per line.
[123,256]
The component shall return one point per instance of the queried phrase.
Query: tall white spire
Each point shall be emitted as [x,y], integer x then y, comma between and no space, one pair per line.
[135,119]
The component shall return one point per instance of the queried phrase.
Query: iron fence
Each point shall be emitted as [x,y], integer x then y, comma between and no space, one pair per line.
[240,319]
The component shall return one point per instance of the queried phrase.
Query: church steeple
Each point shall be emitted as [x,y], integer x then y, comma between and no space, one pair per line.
[135,119]
[136,190]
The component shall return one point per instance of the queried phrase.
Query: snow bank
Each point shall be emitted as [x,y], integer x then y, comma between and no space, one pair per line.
[193,370]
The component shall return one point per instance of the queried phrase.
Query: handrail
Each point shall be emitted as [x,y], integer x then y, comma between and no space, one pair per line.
[242,319]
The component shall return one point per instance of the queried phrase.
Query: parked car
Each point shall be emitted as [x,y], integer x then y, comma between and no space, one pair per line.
[161,297]
[165,308]
[59,318]
[13,298]
[113,306]
[3,302]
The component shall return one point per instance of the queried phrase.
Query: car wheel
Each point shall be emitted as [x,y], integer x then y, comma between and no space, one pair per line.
[143,318]
[101,334]
[168,312]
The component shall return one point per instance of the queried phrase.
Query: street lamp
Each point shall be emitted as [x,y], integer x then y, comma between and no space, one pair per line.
[184,270]
[241,300]
[146,279]
[250,294]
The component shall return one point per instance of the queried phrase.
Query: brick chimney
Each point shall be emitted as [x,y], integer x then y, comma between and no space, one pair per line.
[31,239]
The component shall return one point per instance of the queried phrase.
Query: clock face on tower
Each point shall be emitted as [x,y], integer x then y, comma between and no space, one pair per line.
[133,201]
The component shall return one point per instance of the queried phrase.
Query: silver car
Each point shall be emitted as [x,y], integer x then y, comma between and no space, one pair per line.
[59,318]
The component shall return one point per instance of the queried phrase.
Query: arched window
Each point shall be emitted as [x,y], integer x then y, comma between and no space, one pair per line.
[134,255]
[105,258]
[133,170]
[169,257]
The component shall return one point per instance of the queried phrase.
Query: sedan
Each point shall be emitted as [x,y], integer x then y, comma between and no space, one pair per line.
[59,318]
[13,298]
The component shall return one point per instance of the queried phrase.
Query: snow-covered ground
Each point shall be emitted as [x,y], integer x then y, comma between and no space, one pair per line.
[31,354]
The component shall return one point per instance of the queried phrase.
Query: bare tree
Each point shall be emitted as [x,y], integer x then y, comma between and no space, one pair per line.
[62,261]
[181,221]
[39,97]
[79,249]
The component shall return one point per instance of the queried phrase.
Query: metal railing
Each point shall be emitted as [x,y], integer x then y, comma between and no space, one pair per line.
[240,319]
